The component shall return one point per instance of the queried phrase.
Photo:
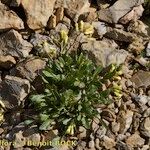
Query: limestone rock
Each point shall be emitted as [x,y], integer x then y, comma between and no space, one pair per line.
[135,140]
[83,133]
[19,141]
[100,28]
[13,91]
[74,8]
[29,69]
[51,22]
[117,57]
[104,52]
[7,62]
[141,78]
[9,19]
[12,43]
[139,28]
[59,14]
[38,12]
[125,119]
[119,9]
[120,35]
[137,45]
[108,143]
[98,51]
[133,15]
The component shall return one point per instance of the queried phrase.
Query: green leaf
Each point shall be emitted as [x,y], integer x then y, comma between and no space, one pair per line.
[65,122]
[85,122]
[97,71]
[43,117]
[79,107]
[79,117]
[37,98]
[28,122]
[46,124]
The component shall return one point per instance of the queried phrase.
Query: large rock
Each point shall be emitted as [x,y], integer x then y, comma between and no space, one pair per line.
[141,78]
[104,52]
[9,19]
[12,43]
[135,140]
[139,28]
[119,9]
[13,91]
[38,12]
[120,35]
[29,69]
[117,57]
[74,8]
[125,119]
[134,14]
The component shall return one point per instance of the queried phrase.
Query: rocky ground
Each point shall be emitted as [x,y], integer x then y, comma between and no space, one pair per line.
[120,34]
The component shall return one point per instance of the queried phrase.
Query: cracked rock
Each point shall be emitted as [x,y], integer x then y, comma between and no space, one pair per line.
[13,91]
[74,9]
[119,9]
[12,43]
[29,69]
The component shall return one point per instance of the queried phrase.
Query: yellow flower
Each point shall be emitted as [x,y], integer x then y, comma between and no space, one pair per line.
[2,104]
[113,67]
[116,86]
[119,72]
[1,117]
[117,93]
[81,26]
[88,29]
[64,36]
[117,78]
[70,129]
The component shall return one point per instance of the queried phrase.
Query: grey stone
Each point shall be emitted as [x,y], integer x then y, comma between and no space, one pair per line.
[119,9]
[120,35]
[133,15]
[13,91]
[12,43]
[29,69]
[117,57]
[141,78]
[100,28]
[98,51]
[104,52]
